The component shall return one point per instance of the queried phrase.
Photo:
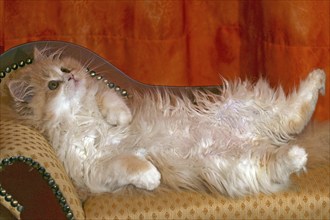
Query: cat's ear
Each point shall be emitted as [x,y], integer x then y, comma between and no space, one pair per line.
[20,90]
[37,54]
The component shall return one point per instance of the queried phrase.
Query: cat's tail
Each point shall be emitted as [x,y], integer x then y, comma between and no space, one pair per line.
[201,175]
[316,141]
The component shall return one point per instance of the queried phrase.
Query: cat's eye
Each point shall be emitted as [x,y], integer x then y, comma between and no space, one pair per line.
[65,70]
[52,85]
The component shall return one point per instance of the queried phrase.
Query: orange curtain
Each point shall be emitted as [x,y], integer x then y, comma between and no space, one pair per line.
[185,42]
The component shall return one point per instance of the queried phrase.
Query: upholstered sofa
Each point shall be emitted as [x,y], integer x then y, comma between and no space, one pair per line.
[309,199]
[34,184]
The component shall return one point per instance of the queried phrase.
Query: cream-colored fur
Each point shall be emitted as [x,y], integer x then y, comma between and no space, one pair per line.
[236,142]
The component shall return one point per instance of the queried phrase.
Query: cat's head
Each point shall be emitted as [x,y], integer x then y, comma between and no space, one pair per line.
[47,86]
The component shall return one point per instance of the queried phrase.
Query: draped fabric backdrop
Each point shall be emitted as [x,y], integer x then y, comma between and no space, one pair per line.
[185,42]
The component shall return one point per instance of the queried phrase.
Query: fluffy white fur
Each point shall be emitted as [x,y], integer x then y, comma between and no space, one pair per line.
[234,142]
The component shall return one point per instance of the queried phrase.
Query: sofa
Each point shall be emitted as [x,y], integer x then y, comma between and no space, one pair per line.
[25,148]
[35,185]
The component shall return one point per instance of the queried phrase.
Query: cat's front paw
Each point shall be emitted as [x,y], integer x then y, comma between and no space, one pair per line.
[114,109]
[119,115]
[148,179]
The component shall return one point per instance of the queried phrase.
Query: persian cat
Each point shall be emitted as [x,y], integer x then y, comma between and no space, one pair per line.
[234,142]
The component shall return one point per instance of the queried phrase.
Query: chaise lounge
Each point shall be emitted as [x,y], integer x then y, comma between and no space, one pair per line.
[35,185]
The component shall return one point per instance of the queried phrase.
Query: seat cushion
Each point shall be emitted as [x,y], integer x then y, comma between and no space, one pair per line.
[307,199]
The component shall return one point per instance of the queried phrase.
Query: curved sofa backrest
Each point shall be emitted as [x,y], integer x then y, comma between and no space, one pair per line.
[25,51]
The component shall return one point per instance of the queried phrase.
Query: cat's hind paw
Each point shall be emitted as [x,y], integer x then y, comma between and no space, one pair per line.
[298,158]
[318,77]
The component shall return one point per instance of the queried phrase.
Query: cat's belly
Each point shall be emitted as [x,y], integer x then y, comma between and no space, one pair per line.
[192,138]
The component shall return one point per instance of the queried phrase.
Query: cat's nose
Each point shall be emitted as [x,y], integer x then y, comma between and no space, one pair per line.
[71,77]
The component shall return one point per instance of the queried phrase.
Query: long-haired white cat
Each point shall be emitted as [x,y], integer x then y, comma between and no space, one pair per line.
[235,142]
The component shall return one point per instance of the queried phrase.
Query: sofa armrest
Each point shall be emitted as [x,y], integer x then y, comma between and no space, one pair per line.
[23,148]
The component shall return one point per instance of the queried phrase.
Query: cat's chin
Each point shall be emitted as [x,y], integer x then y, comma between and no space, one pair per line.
[74,88]
[75,83]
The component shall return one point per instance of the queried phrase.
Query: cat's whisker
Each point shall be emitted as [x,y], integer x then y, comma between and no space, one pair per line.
[88,64]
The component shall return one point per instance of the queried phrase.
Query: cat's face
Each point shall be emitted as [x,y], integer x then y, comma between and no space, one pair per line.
[48,86]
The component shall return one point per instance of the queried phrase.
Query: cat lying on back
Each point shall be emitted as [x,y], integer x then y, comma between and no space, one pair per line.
[235,143]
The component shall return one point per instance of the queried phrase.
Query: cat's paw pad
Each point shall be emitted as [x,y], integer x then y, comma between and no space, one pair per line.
[318,77]
[119,116]
[149,179]
[298,158]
